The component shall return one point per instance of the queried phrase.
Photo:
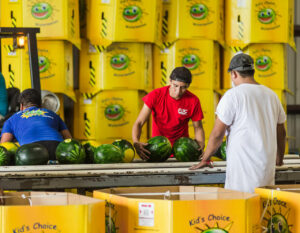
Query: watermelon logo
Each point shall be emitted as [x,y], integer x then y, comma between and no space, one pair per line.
[215,229]
[190,61]
[277,224]
[114,112]
[41,10]
[119,62]
[132,13]
[266,16]
[199,11]
[263,63]
[44,64]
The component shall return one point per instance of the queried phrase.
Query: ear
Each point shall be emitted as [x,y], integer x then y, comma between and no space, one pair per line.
[234,75]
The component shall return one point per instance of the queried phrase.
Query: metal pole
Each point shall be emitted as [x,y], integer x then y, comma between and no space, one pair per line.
[33,59]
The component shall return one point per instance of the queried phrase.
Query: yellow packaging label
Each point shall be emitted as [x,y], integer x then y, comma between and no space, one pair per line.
[51,212]
[259,21]
[209,101]
[108,115]
[14,64]
[201,57]
[55,60]
[280,207]
[270,65]
[159,209]
[124,21]
[193,19]
[120,66]
[57,19]
[85,117]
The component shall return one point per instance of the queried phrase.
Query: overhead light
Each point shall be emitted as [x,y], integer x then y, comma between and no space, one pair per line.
[19,42]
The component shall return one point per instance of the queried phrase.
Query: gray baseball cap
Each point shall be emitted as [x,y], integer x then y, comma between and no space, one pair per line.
[241,62]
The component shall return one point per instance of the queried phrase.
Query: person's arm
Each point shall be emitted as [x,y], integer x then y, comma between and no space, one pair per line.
[214,142]
[66,134]
[137,131]
[281,139]
[7,137]
[199,134]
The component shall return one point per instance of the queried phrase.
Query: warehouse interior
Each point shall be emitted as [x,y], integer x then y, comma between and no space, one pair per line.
[95,62]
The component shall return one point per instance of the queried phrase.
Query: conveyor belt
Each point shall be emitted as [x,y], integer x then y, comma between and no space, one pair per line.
[49,177]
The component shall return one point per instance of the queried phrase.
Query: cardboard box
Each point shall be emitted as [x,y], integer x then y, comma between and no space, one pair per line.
[55,66]
[58,20]
[270,62]
[201,57]
[259,21]
[280,207]
[107,115]
[124,21]
[188,19]
[120,66]
[51,212]
[209,101]
[177,209]
[15,66]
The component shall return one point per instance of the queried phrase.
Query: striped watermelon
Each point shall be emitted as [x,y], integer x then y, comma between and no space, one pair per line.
[70,151]
[186,150]
[160,149]
[5,156]
[127,149]
[108,153]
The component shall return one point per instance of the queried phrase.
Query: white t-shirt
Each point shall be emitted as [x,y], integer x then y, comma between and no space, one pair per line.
[252,113]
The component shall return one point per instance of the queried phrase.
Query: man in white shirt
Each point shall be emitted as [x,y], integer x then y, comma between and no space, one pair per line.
[253,118]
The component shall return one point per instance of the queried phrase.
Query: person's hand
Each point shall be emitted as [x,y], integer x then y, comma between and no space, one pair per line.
[202,164]
[141,151]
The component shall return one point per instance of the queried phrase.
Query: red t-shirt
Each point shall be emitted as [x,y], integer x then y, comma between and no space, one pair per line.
[170,116]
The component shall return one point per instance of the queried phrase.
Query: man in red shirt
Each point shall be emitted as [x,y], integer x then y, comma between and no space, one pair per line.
[172,107]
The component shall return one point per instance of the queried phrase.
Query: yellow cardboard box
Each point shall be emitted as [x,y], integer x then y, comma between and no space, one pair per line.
[209,101]
[280,208]
[201,57]
[259,21]
[108,115]
[270,62]
[200,19]
[51,212]
[15,66]
[58,20]
[177,209]
[55,65]
[124,21]
[120,66]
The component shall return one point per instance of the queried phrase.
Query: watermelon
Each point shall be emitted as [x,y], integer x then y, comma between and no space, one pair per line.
[108,153]
[221,152]
[160,149]
[11,147]
[70,151]
[127,149]
[186,150]
[32,154]
[5,156]
[89,152]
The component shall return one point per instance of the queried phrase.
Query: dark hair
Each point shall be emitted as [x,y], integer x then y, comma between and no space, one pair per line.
[181,74]
[246,73]
[30,97]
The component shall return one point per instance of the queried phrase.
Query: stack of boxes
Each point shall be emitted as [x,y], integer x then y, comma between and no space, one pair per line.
[192,33]
[115,67]
[59,29]
[261,29]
